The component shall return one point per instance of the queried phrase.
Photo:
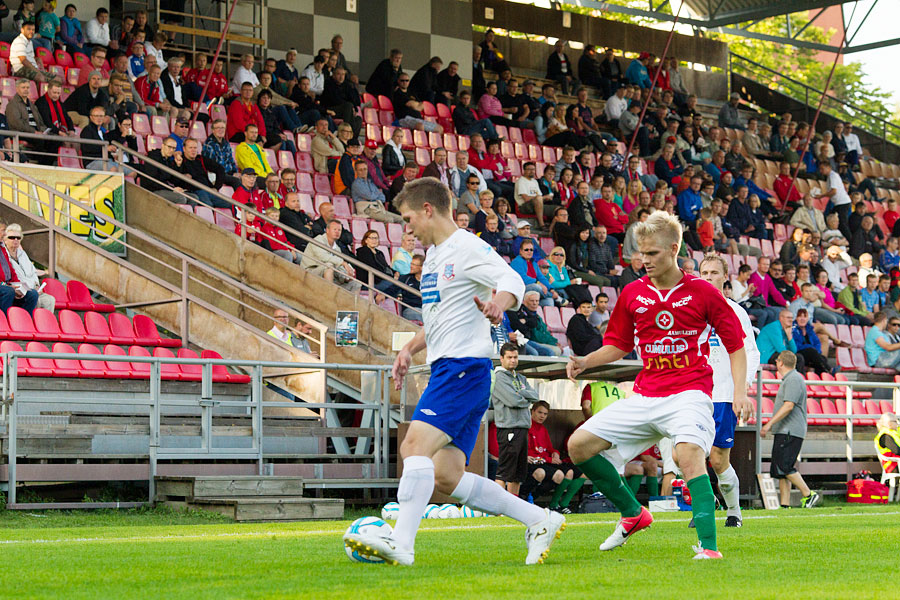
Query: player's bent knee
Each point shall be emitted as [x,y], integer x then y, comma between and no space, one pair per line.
[539,474]
[558,477]
[584,445]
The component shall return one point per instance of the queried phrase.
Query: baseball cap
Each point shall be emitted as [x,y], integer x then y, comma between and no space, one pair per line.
[372,144]
[644,55]
[523,223]
[248,171]
[543,263]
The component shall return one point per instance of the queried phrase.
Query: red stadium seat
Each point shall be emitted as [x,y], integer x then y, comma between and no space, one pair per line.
[220,373]
[47,328]
[305,183]
[70,366]
[147,334]
[122,329]
[71,325]
[68,158]
[45,367]
[22,364]
[94,368]
[141,369]
[168,371]
[322,184]
[305,162]
[97,328]
[80,298]
[119,369]
[190,372]
[63,58]
[160,126]
[21,326]
[384,103]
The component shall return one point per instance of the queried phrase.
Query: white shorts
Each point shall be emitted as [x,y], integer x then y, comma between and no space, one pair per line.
[635,423]
[665,450]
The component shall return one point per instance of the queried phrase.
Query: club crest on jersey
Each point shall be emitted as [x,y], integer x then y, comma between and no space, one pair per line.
[645,301]
[682,302]
[448,272]
[665,320]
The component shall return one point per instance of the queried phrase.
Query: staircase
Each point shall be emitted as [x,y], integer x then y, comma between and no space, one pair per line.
[263,498]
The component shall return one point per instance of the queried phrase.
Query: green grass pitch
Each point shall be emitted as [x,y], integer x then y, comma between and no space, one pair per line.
[834,552]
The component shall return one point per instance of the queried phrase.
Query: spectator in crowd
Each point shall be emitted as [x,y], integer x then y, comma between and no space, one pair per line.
[203,171]
[570,290]
[836,260]
[286,73]
[599,318]
[342,98]
[689,202]
[96,32]
[161,182]
[326,148]
[589,259]
[383,79]
[54,117]
[633,271]
[529,198]
[880,350]
[589,67]
[466,120]
[459,178]
[368,198]
[241,113]
[511,398]
[375,173]
[14,292]
[548,95]
[70,32]
[776,337]
[788,423]
[562,233]
[218,150]
[315,73]
[808,344]
[851,299]
[47,22]
[490,107]
[23,116]
[243,74]
[728,114]
[280,330]
[410,172]
[438,167]
[251,154]
[668,167]
[22,61]
[808,216]
[610,214]
[154,46]
[583,337]
[865,239]
[392,157]
[765,288]
[274,239]
[580,118]
[869,294]
[402,259]
[369,254]
[424,83]
[546,470]
[85,97]
[28,275]
[637,71]
[559,67]
[611,73]
[343,174]
[120,69]
[518,106]
[141,24]
[529,270]
[408,108]
[528,324]
[326,216]
[150,91]
[411,309]
[837,195]
[274,123]
[91,153]
[292,217]
[329,264]
[137,62]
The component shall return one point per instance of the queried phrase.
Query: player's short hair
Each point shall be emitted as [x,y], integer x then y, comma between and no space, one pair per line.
[788,359]
[427,189]
[659,225]
[716,259]
[508,347]
[543,403]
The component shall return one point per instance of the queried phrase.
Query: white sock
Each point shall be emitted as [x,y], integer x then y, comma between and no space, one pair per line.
[413,493]
[483,494]
[730,488]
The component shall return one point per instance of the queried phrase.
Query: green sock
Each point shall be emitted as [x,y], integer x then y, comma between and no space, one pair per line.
[573,488]
[653,486]
[703,505]
[634,482]
[558,492]
[606,480]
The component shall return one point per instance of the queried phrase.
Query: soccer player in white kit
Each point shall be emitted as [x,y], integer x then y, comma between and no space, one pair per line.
[458,277]
[714,270]
[668,315]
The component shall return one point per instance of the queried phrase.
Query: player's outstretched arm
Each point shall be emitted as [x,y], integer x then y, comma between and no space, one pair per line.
[740,404]
[404,358]
[493,309]
[602,356]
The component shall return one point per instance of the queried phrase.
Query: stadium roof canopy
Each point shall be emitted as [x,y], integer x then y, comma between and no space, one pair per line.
[737,17]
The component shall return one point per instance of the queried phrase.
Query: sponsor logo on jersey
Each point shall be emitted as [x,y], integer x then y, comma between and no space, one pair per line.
[666,345]
[448,272]
[682,302]
[664,319]
[645,301]
[714,341]
[428,287]
[641,309]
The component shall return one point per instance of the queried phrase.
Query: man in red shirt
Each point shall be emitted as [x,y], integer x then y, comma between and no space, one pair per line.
[242,112]
[545,466]
[12,292]
[671,315]
[611,214]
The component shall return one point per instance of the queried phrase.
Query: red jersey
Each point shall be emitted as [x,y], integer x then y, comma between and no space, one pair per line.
[672,328]
[280,241]
[610,215]
[539,444]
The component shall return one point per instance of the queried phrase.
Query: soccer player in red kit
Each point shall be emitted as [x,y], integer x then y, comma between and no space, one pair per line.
[669,315]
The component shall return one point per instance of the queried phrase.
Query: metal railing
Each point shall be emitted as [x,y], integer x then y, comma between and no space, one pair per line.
[803,92]
[181,271]
[15,399]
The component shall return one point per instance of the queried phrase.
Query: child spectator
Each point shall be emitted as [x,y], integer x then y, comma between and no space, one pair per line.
[705,230]
[276,239]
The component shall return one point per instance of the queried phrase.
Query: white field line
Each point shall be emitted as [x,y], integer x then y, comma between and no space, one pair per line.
[330,532]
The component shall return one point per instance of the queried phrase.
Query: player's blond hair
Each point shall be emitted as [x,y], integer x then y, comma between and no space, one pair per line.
[660,226]
[716,258]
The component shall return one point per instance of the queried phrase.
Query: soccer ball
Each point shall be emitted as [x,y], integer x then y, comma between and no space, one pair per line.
[390,511]
[368,526]
[449,511]
[468,513]
[431,511]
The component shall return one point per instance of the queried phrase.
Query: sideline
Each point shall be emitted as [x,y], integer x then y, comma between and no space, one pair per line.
[328,532]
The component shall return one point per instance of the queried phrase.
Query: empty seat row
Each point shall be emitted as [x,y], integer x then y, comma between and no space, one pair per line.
[112,369]
[17,324]
[865,413]
[74,295]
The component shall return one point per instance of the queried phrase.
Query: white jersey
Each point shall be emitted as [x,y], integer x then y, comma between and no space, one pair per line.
[723,385]
[457,270]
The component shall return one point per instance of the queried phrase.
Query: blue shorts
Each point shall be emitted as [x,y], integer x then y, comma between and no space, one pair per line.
[456,398]
[726,421]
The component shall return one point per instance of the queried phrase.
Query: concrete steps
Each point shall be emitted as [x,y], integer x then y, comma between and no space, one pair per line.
[247,498]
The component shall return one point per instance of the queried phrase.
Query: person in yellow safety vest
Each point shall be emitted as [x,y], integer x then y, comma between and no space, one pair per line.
[887,442]
[279,330]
